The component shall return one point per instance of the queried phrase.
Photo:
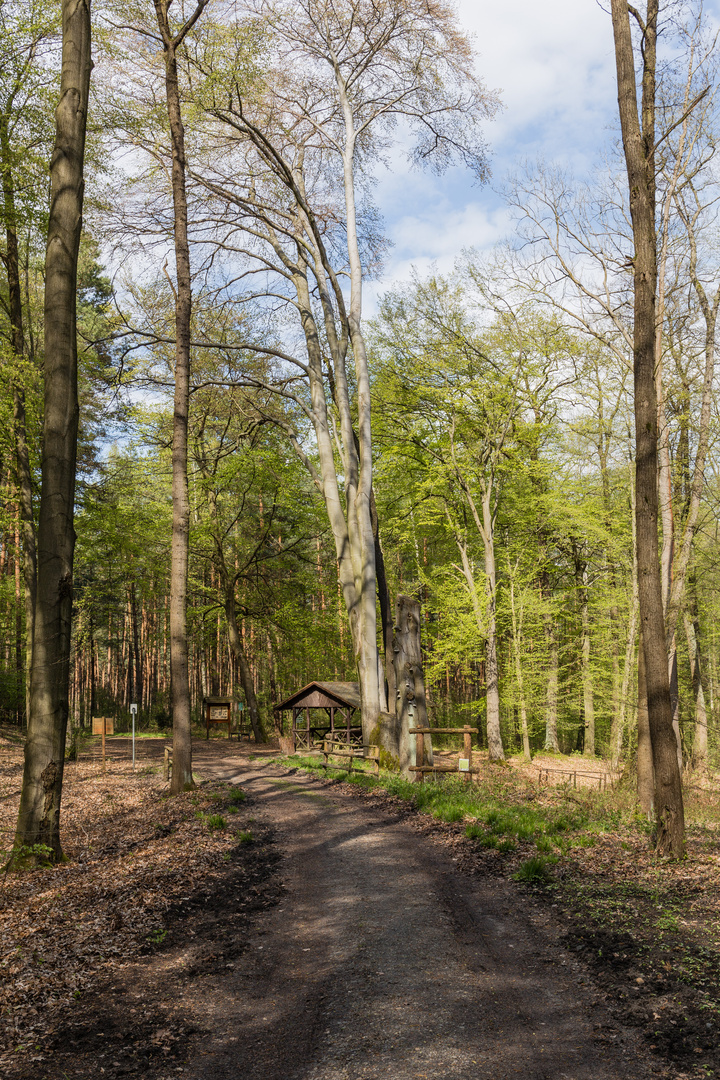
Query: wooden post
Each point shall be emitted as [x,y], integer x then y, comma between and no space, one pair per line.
[166,764]
[307,725]
[420,755]
[103,743]
[467,750]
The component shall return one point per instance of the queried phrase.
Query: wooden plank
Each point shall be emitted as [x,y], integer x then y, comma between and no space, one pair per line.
[438,768]
[440,730]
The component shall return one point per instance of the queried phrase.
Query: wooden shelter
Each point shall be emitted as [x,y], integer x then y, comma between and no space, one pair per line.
[338,701]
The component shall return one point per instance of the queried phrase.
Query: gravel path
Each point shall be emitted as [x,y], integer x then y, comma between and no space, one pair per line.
[383,961]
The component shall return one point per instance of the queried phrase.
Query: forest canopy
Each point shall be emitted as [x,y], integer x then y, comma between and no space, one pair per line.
[264,464]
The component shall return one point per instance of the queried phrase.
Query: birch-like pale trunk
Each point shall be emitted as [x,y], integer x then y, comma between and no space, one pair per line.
[39,814]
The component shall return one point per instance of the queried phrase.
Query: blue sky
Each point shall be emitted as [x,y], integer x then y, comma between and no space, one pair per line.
[553,63]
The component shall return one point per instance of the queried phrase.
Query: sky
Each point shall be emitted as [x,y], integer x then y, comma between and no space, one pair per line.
[553,63]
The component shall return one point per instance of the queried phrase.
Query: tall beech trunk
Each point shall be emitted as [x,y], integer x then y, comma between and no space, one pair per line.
[39,816]
[182,739]
[639,147]
[22,455]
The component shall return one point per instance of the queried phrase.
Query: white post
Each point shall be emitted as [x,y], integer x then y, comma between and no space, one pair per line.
[133,712]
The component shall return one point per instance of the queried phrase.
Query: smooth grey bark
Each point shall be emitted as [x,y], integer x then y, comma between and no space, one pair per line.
[182,778]
[39,815]
[638,133]
[645,772]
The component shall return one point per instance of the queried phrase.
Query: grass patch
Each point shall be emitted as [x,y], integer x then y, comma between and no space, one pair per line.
[245,837]
[237,795]
[533,871]
[216,821]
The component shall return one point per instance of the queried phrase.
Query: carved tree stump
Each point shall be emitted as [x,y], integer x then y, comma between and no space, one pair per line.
[410,685]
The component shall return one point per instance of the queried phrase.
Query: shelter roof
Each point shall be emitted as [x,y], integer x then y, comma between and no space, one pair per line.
[318,695]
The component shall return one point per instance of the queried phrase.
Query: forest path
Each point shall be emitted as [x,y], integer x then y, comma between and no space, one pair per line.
[381,960]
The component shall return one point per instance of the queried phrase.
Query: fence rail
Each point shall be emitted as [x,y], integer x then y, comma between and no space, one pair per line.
[602,778]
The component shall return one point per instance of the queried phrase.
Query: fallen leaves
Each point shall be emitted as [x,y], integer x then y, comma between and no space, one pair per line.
[131,851]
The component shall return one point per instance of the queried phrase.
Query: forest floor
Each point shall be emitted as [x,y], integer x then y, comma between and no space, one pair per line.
[275,924]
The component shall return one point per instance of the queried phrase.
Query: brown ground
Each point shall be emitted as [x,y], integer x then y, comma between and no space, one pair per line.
[349,939]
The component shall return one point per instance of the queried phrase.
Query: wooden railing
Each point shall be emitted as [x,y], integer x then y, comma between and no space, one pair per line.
[464,766]
[602,778]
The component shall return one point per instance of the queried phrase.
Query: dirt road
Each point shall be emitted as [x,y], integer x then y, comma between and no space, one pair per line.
[382,960]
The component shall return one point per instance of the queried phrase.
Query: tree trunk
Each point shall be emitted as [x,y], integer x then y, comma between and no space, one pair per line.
[517,619]
[639,148]
[236,645]
[700,736]
[182,778]
[551,714]
[495,746]
[588,701]
[39,816]
[24,476]
[645,772]
[385,615]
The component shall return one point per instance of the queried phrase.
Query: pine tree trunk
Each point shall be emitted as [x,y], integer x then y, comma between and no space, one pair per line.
[17,340]
[39,816]
[638,145]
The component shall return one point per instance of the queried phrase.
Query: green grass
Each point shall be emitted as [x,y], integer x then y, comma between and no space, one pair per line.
[245,837]
[216,821]
[237,795]
[503,813]
[533,871]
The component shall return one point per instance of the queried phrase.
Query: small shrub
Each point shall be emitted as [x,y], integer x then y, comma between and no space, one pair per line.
[533,871]
[216,821]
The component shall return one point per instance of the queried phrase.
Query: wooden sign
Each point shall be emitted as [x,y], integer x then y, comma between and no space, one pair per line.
[97,725]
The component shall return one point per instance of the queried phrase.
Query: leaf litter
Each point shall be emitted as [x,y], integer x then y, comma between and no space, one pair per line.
[134,856]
